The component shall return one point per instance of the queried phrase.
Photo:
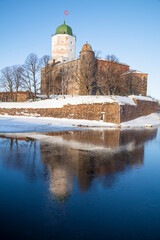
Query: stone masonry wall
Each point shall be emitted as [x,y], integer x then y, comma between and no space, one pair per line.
[112,113]
[106,112]
[142,108]
[66,74]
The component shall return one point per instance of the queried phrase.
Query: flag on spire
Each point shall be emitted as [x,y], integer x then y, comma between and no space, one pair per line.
[66,12]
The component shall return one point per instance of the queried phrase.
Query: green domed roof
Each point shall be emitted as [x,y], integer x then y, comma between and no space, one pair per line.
[64,29]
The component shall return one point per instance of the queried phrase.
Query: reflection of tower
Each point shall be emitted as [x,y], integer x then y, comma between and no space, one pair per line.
[60,183]
[63,44]
[87,155]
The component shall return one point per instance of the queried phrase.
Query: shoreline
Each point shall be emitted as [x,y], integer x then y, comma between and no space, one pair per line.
[23,124]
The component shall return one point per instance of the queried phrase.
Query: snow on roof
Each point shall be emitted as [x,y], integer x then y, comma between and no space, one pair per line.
[133,72]
[67,61]
[144,98]
[103,59]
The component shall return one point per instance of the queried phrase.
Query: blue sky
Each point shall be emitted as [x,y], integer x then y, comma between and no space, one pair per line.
[128,29]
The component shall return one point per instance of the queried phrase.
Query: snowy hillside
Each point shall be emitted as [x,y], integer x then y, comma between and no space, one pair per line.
[60,101]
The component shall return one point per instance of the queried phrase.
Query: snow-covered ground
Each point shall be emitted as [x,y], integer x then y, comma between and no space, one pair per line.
[152,120]
[60,101]
[40,124]
[9,124]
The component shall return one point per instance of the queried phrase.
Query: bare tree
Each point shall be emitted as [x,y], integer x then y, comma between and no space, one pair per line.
[45,60]
[6,80]
[112,58]
[48,74]
[135,84]
[73,81]
[17,73]
[31,74]
[109,77]
[57,84]
[97,53]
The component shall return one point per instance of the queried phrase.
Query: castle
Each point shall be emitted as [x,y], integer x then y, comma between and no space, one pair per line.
[86,75]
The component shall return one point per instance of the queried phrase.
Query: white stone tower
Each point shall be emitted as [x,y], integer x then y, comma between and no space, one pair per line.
[63,44]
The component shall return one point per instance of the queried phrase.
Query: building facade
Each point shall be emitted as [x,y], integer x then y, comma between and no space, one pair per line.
[14,96]
[63,44]
[86,75]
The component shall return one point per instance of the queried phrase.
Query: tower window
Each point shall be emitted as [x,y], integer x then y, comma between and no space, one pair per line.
[70,42]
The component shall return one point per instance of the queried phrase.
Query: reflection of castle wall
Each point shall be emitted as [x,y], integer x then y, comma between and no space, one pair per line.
[65,162]
[109,138]
[139,136]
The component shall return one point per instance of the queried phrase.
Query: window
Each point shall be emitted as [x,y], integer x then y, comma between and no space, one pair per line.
[70,42]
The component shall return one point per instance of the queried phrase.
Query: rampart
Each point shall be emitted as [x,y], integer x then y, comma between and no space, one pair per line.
[107,112]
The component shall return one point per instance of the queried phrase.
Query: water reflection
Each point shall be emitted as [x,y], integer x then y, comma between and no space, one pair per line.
[80,185]
[82,155]
[91,154]
[22,154]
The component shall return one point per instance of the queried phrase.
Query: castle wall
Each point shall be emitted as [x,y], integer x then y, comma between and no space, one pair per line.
[82,111]
[142,108]
[88,75]
[112,113]
[105,65]
[13,97]
[62,78]
[139,84]
[133,83]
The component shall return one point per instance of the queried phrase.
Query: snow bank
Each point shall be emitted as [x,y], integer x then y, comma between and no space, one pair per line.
[121,100]
[151,120]
[17,124]
[60,101]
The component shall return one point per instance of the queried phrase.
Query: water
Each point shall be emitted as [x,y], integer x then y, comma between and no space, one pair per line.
[81,185]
